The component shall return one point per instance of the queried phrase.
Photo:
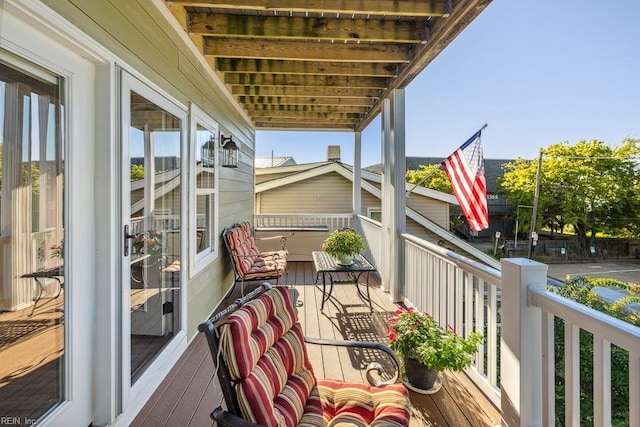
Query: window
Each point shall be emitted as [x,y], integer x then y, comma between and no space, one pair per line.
[204,184]
[375,214]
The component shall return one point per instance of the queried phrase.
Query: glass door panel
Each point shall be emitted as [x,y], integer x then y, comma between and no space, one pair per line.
[32,283]
[154,221]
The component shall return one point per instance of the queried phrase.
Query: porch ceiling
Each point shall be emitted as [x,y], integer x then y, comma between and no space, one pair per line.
[320,64]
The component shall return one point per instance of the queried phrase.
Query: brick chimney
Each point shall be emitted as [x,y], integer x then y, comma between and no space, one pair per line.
[333,153]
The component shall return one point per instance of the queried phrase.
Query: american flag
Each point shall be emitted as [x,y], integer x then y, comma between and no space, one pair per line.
[465,168]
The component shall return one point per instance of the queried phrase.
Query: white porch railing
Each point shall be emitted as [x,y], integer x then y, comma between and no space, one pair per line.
[607,331]
[461,293]
[514,311]
[286,220]
[372,232]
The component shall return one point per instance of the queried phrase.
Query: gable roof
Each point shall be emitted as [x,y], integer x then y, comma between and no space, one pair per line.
[301,173]
[273,162]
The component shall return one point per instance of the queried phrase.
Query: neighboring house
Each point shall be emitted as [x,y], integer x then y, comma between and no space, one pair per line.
[502,214]
[273,162]
[326,188]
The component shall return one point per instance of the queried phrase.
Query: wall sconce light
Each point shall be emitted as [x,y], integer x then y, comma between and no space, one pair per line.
[208,152]
[229,152]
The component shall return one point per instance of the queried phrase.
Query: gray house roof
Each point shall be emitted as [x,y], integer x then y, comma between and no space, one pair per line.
[273,162]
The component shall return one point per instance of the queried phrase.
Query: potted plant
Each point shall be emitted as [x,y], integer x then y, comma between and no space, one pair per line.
[426,348]
[343,245]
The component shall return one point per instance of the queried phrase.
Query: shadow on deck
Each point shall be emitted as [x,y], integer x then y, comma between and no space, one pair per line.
[189,393]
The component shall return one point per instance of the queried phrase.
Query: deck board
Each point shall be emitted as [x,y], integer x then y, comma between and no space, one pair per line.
[189,393]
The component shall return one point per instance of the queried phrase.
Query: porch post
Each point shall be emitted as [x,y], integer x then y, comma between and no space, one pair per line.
[520,344]
[394,220]
[357,166]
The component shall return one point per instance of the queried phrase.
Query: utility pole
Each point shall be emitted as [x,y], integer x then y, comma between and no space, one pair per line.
[534,214]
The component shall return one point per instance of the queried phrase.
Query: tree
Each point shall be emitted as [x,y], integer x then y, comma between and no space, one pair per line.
[438,180]
[137,172]
[589,186]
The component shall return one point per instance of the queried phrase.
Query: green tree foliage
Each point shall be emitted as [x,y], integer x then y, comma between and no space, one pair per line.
[437,178]
[590,186]
[137,172]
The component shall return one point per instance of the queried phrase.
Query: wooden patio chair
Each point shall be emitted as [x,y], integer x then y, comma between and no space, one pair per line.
[249,263]
[260,356]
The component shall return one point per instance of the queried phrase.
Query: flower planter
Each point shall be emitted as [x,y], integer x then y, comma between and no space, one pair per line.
[419,376]
[345,259]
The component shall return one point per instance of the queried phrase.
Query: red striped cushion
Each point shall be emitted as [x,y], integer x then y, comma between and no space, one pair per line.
[362,404]
[264,347]
[242,246]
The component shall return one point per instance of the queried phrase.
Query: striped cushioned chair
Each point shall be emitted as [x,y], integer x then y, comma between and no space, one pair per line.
[248,262]
[266,378]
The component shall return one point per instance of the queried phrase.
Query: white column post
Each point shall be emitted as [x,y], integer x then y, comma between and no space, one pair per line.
[520,343]
[394,221]
[357,175]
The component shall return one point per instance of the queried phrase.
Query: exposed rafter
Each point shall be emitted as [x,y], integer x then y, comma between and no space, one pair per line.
[320,64]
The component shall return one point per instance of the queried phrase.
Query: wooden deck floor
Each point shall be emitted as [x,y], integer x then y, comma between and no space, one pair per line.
[189,393]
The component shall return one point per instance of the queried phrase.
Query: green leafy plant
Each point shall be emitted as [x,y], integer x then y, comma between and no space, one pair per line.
[418,336]
[346,242]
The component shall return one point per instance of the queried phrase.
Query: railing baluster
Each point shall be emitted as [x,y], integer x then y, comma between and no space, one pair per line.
[492,334]
[572,374]
[601,382]
[634,388]
[548,369]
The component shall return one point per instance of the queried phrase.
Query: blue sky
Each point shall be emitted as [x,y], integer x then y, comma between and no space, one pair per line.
[537,72]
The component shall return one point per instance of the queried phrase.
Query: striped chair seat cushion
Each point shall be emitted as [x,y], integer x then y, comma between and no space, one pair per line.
[264,348]
[267,266]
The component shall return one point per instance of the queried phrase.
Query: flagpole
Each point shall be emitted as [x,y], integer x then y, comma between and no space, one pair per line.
[423,179]
[435,169]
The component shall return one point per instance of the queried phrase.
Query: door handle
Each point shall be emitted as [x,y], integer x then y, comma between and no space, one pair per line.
[127,237]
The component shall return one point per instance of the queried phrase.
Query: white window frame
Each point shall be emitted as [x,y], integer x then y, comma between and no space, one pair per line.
[199,261]
[371,210]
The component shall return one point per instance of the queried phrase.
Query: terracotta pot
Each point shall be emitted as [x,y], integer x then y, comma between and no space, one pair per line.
[418,375]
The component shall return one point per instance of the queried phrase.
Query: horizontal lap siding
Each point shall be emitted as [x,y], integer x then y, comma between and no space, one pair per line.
[139,34]
[330,193]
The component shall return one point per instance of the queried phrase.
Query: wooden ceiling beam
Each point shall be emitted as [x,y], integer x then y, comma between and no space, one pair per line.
[306,108]
[259,115]
[305,80]
[306,120]
[366,7]
[305,127]
[304,100]
[273,66]
[298,27]
[303,51]
[329,92]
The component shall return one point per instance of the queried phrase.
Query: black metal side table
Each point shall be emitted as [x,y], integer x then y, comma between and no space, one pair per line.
[50,273]
[326,266]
